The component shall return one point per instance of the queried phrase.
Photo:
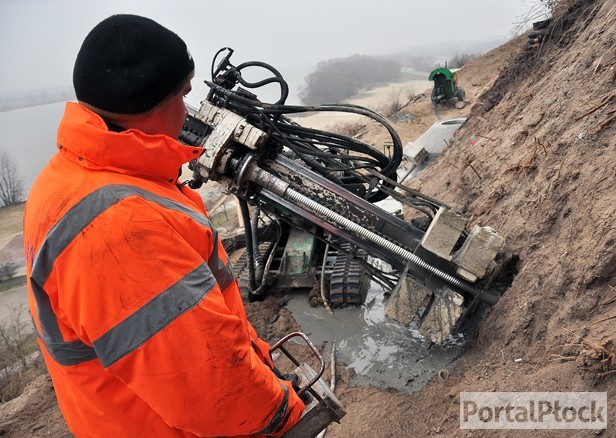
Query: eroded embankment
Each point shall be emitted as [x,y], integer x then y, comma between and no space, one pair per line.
[537,161]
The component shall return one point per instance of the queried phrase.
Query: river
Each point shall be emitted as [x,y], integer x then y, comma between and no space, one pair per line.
[29,137]
[29,134]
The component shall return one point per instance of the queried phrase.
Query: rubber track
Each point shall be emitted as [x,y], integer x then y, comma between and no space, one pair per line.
[347,278]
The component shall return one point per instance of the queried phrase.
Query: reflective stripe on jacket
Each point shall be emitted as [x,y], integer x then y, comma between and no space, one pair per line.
[140,319]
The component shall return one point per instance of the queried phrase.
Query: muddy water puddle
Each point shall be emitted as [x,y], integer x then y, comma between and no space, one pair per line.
[380,351]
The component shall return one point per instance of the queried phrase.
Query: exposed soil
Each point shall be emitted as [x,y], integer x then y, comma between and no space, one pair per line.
[35,413]
[533,165]
[536,164]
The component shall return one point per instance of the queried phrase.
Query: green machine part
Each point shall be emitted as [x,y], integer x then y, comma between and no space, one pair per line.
[297,268]
[444,83]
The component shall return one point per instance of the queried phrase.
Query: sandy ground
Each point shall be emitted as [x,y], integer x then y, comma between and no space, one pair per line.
[536,161]
[14,302]
[11,223]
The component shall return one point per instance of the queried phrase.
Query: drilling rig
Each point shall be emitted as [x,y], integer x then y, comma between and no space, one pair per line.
[309,207]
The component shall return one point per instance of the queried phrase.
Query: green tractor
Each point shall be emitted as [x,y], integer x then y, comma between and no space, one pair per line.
[445,86]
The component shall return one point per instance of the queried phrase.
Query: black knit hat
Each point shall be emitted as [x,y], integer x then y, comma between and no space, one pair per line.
[129,65]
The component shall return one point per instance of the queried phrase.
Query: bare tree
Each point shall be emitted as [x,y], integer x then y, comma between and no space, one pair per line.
[336,79]
[11,184]
[462,58]
[395,103]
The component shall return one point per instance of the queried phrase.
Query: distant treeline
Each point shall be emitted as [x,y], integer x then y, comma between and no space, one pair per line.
[336,79]
[23,99]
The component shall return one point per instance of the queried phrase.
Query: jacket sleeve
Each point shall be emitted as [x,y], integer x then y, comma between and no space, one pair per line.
[155,312]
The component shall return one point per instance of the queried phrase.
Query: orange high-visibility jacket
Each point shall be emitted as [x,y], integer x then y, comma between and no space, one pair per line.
[139,316]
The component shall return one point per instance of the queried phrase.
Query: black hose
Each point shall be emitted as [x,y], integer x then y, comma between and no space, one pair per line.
[271,254]
[245,107]
[305,148]
[250,264]
[334,156]
[284,87]
[258,260]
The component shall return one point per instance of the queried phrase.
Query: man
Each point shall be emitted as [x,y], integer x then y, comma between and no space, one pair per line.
[139,317]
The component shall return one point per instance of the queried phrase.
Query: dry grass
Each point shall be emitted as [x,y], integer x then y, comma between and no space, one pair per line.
[20,359]
[350,129]
[396,101]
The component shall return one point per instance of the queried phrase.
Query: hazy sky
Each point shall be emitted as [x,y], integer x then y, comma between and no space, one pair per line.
[39,39]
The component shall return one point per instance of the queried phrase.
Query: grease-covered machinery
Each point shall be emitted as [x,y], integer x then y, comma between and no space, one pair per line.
[315,218]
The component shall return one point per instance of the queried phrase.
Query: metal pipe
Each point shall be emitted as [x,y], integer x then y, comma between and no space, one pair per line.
[295,196]
[323,297]
[282,189]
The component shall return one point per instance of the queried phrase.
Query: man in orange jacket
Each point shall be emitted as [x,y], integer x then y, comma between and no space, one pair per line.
[139,316]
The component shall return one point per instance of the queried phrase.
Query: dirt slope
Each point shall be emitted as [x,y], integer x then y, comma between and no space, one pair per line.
[528,164]
[533,165]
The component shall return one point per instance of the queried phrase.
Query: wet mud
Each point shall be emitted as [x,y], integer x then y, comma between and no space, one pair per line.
[379,351]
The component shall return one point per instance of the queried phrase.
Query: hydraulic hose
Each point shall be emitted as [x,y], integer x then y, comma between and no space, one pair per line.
[339,158]
[258,260]
[304,142]
[271,254]
[252,284]
[284,87]
[262,113]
